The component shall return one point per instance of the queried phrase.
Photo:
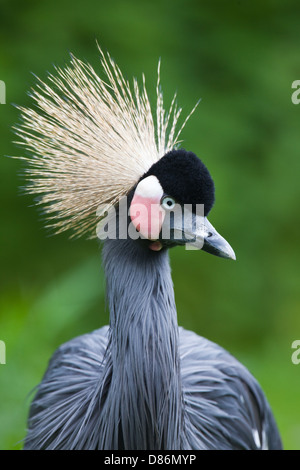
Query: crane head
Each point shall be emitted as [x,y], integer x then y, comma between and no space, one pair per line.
[93,142]
[170,204]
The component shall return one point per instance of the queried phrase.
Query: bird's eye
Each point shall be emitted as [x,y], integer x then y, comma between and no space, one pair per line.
[168,202]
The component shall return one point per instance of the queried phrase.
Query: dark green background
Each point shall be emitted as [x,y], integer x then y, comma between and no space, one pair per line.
[241,58]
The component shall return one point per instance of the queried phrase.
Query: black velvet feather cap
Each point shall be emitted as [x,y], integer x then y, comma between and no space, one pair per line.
[184,176]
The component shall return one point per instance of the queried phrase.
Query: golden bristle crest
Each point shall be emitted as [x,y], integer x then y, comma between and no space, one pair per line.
[90,141]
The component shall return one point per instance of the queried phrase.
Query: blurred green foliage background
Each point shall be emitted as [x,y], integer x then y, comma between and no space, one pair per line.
[240,58]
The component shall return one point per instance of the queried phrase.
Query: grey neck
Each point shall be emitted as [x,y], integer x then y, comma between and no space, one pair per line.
[143,402]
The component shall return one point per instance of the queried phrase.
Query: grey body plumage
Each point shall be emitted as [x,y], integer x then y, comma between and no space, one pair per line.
[144,383]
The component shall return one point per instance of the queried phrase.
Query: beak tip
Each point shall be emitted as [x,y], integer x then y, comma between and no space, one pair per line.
[232,255]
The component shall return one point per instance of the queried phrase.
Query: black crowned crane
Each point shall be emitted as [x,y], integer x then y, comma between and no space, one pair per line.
[100,165]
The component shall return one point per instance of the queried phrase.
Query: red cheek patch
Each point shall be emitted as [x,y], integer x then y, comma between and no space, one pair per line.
[147,216]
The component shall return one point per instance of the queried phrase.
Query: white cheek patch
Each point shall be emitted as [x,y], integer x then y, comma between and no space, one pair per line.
[145,210]
[149,188]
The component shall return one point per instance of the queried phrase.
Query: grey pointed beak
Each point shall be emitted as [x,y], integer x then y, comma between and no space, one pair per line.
[204,236]
[196,233]
[215,244]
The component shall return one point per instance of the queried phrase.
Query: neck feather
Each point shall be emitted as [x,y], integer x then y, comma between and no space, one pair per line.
[142,369]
